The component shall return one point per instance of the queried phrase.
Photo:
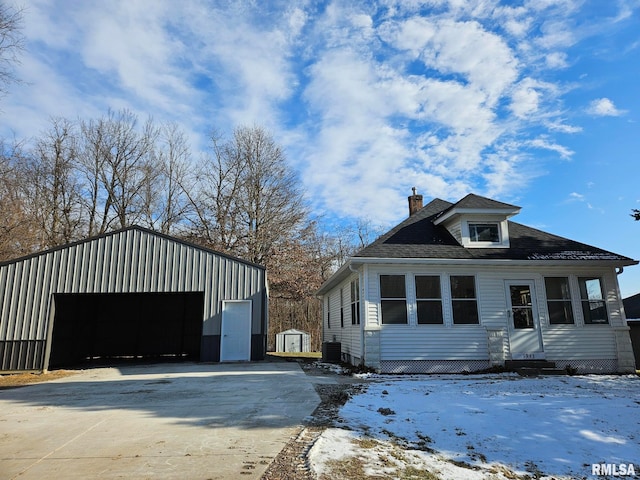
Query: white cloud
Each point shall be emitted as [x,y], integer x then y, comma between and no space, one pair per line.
[525,99]
[545,144]
[558,125]
[373,98]
[577,196]
[603,107]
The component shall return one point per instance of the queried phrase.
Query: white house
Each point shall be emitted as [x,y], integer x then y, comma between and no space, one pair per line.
[460,287]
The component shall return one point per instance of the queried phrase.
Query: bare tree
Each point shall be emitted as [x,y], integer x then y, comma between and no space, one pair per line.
[169,203]
[248,198]
[270,204]
[118,162]
[18,233]
[11,44]
[53,189]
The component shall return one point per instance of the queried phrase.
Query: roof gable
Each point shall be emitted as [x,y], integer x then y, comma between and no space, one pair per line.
[478,202]
[123,230]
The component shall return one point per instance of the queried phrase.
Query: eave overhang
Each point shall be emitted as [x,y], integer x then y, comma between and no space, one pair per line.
[354,262]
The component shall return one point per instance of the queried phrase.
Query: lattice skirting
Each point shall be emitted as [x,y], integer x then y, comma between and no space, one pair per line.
[589,366]
[433,366]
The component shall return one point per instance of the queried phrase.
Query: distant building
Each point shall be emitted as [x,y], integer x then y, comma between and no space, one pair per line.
[293,341]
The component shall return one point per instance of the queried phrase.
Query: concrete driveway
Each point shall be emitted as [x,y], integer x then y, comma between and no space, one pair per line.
[186,421]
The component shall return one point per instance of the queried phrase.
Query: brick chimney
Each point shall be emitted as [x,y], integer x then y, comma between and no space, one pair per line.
[415,202]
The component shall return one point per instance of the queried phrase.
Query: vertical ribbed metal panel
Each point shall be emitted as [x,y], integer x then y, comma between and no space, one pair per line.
[131,260]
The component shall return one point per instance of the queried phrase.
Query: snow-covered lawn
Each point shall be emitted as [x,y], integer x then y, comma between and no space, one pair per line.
[485,427]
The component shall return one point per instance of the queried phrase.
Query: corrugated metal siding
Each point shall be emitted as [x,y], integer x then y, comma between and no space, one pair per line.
[133,260]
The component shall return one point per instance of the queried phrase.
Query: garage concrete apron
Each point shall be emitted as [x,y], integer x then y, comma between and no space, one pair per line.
[186,421]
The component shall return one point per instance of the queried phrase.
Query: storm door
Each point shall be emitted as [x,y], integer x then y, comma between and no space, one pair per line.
[525,338]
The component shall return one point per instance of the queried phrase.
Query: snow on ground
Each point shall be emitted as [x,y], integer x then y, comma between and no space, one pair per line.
[486,427]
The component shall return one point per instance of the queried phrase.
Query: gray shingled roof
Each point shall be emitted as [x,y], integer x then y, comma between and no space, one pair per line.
[632,306]
[476,201]
[418,237]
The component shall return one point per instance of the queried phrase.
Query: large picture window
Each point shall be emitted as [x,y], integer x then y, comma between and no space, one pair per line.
[558,300]
[429,299]
[594,308]
[463,299]
[355,302]
[393,299]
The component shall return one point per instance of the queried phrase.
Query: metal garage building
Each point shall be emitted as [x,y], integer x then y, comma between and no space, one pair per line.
[130,293]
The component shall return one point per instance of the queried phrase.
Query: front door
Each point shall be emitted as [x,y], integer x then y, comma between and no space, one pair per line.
[525,338]
[235,344]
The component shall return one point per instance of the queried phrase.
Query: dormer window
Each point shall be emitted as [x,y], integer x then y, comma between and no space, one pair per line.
[478,222]
[484,232]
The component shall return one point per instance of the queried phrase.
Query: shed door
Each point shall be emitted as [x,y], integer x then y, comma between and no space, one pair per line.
[525,337]
[293,343]
[235,344]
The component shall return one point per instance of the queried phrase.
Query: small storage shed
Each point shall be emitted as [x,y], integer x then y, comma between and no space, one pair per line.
[293,341]
[130,293]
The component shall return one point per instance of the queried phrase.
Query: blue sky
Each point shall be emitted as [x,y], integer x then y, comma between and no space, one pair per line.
[534,103]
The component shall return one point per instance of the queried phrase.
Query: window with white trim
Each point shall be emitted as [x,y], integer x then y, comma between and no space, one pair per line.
[559,300]
[393,299]
[428,299]
[329,311]
[342,308]
[463,299]
[594,308]
[355,302]
[484,232]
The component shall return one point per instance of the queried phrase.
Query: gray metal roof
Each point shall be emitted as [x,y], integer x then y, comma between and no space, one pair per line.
[127,229]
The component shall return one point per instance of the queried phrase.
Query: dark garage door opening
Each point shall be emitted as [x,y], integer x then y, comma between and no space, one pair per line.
[99,326]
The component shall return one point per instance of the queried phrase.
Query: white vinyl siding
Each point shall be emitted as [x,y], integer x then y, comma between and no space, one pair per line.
[349,335]
[466,342]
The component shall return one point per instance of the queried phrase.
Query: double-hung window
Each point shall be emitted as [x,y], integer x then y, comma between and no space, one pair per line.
[328,311]
[355,302]
[342,308]
[463,299]
[393,299]
[594,308]
[558,300]
[428,299]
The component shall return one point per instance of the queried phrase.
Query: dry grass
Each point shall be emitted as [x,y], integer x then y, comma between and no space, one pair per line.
[297,355]
[20,379]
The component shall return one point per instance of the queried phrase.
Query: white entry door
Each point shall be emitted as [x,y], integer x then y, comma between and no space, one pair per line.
[525,337]
[235,344]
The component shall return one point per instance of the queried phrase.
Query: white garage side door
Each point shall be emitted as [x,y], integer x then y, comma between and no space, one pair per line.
[235,344]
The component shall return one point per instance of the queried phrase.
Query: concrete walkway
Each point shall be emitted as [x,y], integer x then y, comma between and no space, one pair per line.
[183,421]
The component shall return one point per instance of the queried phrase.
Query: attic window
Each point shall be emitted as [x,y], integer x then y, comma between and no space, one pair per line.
[484,232]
